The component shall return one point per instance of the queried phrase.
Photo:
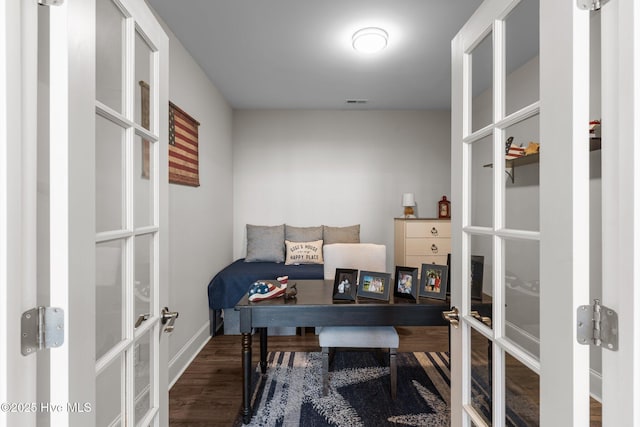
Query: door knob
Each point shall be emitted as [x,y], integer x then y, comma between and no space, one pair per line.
[451,316]
[483,319]
[168,319]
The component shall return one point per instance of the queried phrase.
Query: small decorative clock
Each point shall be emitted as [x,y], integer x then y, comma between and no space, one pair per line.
[444,208]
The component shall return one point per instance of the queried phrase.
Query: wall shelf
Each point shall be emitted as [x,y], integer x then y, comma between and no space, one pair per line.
[510,165]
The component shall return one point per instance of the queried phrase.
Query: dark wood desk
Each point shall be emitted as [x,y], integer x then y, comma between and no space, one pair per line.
[314,306]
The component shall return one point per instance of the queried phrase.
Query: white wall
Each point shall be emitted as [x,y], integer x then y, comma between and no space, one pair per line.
[200,217]
[312,167]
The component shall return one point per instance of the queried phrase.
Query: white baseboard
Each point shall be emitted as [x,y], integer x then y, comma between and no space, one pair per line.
[181,361]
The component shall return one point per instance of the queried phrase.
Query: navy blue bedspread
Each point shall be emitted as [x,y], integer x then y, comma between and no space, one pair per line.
[229,285]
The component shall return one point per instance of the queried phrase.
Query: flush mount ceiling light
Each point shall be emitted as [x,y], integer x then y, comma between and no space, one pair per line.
[370,40]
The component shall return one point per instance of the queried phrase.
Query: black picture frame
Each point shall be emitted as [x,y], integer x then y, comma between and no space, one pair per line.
[406,283]
[345,284]
[449,275]
[477,275]
[433,281]
[376,285]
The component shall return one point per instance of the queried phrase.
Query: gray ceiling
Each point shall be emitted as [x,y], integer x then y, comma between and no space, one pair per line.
[298,54]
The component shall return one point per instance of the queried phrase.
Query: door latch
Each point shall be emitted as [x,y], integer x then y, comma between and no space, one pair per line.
[41,328]
[451,316]
[168,319]
[484,319]
[141,319]
[597,325]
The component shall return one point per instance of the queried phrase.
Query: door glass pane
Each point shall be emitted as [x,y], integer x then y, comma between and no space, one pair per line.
[109,295]
[109,53]
[143,93]
[481,271]
[482,84]
[522,196]
[481,376]
[142,179]
[522,48]
[143,368]
[522,394]
[482,182]
[108,398]
[144,274]
[522,294]
[109,175]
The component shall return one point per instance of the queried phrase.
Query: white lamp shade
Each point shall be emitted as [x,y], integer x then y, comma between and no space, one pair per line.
[408,199]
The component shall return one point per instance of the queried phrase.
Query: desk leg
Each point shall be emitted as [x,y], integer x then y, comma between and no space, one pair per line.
[246,378]
[263,350]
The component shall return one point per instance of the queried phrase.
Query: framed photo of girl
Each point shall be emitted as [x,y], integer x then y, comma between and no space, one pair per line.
[433,281]
[406,283]
[345,284]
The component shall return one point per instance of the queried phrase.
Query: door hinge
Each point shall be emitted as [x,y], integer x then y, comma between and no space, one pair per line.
[41,328]
[591,4]
[597,325]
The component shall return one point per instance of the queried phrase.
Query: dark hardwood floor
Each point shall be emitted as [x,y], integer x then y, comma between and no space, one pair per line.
[209,393]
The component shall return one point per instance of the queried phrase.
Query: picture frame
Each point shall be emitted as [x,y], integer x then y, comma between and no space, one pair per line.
[449,275]
[406,283]
[477,275]
[345,284]
[433,281]
[376,285]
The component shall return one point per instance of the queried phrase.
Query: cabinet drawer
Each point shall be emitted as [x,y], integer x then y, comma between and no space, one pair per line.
[428,229]
[427,247]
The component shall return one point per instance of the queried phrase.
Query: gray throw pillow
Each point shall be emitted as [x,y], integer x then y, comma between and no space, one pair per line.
[302,234]
[349,234]
[265,243]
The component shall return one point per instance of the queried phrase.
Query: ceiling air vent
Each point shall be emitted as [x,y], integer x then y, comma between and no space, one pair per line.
[356,101]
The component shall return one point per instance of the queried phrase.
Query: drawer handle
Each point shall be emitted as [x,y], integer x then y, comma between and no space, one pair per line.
[434,231]
[434,248]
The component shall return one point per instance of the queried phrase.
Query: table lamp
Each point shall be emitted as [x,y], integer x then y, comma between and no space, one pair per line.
[408,201]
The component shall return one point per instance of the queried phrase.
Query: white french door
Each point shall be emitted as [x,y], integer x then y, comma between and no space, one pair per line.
[131,128]
[523,220]
[89,168]
[527,221]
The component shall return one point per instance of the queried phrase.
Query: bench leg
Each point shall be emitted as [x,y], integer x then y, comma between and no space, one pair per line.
[325,370]
[393,372]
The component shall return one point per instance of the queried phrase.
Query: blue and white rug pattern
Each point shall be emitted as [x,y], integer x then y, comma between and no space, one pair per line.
[359,392]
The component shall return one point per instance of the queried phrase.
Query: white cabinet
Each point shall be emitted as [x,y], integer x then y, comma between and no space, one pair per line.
[422,241]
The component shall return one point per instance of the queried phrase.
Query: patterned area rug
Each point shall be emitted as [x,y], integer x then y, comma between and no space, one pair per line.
[359,395]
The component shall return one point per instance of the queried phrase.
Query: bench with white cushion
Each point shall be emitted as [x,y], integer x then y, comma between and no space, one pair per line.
[359,337]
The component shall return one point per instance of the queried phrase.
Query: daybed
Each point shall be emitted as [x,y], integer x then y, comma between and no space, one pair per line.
[272,251]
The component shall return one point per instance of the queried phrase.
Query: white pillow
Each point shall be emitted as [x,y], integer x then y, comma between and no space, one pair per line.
[303,252]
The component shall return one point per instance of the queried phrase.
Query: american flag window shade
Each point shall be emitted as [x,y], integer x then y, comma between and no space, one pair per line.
[183,148]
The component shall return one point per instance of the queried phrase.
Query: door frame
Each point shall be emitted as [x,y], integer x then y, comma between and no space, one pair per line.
[18,41]
[620,206]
